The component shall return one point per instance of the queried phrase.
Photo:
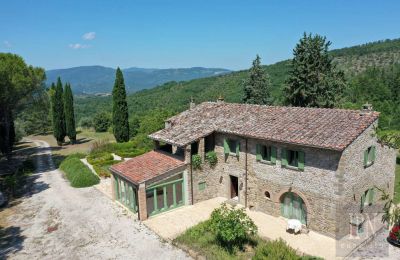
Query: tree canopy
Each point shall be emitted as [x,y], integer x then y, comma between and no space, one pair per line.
[69,114]
[256,88]
[313,79]
[19,83]
[58,113]
[120,109]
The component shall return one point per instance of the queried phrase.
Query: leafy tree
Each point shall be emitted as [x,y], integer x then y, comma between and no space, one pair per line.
[69,114]
[18,85]
[120,109]
[58,113]
[313,79]
[257,87]
[101,122]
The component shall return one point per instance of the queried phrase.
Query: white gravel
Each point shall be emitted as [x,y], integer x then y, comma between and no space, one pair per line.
[61,222]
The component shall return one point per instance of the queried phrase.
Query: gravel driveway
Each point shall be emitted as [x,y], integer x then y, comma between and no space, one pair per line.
[61,222]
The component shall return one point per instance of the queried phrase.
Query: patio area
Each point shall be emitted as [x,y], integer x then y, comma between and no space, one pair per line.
[170,224]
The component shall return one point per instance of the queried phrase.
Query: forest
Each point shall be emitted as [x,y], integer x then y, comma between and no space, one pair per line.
[376,80]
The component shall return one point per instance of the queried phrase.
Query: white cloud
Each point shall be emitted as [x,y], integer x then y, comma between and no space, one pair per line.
[89,36]
[7,44]
[77,46]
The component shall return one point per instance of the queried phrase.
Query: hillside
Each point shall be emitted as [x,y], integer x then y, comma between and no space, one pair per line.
[175,96]
[98,79]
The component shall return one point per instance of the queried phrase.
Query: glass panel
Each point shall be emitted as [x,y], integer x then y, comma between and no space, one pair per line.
[293,158]
[160,198]
[179,193]
[127,195]
[170,195]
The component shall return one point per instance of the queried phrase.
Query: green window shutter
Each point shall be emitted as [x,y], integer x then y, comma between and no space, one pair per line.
[301,161]
[366,158]
[226,146]
[273,155]
[371,194]
[237,148]
[362,202]
[258,152]
[284,157]
[373,151]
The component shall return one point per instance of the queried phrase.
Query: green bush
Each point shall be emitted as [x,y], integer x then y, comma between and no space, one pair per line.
[196,161]
[211,157]
[86,122]
[275,250]
[232,227]
[78,174]
[102,121]
[102,171]
[101,157]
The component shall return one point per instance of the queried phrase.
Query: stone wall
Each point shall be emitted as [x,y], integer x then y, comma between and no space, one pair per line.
[356,179]
[330,185]
[315,185]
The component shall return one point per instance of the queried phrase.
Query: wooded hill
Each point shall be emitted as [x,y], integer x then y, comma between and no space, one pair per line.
[363,64]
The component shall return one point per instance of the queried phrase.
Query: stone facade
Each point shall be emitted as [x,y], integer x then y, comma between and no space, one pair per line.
[331,184]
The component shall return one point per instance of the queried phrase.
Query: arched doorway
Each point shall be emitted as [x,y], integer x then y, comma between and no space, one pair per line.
[293,207]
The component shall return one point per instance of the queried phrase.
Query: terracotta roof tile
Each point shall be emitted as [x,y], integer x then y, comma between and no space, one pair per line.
[325,128]
[147,166]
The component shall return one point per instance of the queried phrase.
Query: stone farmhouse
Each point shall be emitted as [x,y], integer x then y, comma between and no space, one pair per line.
[320,166]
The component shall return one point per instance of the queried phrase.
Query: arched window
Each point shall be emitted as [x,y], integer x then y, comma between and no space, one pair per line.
[293,207]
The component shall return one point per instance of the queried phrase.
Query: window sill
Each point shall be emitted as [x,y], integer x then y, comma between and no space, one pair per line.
[292,168]
[266,162]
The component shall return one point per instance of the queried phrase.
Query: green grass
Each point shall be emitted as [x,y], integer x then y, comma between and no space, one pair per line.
[201,239]
[78,174]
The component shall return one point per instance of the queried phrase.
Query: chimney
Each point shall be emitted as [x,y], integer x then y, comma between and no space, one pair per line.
[191,104]
[220,99]
[366,109]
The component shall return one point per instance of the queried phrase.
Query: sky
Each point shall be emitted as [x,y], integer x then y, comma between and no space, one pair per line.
[177,34]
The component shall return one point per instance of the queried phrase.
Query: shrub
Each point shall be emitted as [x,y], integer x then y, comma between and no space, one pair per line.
[86,122]
[102,171]
[212,159]
[196,161]
[275,250]
[232,227]
[78,174]
[99,157]
[102,121]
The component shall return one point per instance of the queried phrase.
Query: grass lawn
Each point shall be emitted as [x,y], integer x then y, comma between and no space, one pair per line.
[85,138]
[203,241]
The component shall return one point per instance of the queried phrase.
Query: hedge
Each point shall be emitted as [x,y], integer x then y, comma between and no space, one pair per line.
[78,174]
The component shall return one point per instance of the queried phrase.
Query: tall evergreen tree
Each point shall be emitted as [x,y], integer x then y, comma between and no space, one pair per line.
[58,113]
[257,87]
[120,109]
[69,113]
[314,81]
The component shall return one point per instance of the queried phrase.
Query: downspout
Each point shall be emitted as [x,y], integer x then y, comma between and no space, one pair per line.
[191,178]
[245,179]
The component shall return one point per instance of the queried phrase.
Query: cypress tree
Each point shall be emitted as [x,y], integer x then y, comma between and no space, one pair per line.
[257,88]
[120,109]
[69,114]
[313,79]
[58,113]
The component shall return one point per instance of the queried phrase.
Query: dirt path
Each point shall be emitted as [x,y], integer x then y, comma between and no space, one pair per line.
[60,222]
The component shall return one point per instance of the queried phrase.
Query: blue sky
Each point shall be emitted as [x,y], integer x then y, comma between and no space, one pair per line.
[170,34]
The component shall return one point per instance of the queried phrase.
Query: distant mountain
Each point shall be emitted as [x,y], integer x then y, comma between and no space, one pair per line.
[99,79]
